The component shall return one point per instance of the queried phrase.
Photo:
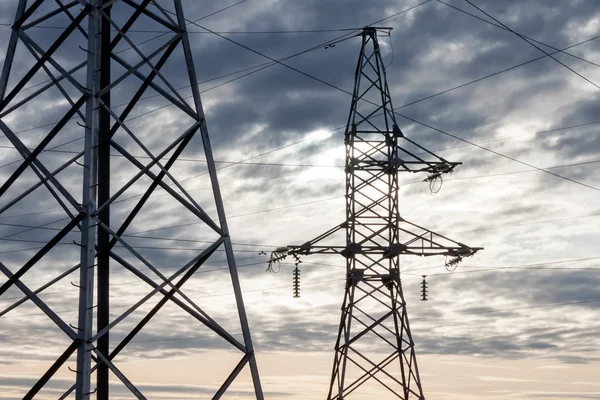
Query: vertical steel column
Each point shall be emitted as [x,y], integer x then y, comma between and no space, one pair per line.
[88,206]
[102,373]
[220,209]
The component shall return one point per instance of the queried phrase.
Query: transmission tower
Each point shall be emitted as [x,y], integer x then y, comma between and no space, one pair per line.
[78,71]
[374,318]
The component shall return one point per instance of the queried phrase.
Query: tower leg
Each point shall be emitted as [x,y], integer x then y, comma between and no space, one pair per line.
[103,311]
[88,209]
[336,386]
[251,358]
[375,308]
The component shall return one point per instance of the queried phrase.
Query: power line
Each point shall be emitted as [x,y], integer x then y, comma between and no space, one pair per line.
[492,74]
[252,70]
[431,127]
[406,117]
[526,37]
[243,215]
[486,77]
[534,45]
[530,223]
[52,150]
[414,102]
[516,172]
[498,153]
[200,297]
[142,42]
[338,280]
[220,32]
[125,270]
[137,281]
[308,328]
[402,106]
[118,245]
[329,199]
[305,328]
[43,227]
[524,266]
[268,64]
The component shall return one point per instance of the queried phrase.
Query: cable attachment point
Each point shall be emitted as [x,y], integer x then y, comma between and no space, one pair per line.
[457,256]
[435,178]
[275,258]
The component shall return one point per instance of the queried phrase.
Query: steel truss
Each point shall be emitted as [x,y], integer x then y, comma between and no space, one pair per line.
[374,318]
[80,183]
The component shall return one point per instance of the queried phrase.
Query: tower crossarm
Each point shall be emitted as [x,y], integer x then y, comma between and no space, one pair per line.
[413,240]
[390,151]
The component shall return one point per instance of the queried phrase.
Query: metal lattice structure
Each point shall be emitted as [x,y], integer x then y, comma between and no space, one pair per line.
[86,64]
[374,317]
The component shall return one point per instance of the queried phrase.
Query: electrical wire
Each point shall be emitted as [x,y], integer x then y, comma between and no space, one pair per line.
[427,97]
[404,116]
[419,100]
[490,75]
[498,153]
[241,215]
[112,285]
[321,200]
[483,148]
[262,164]
[535,46]
[487,269]
[143,42]
[523,266]
[220,32]
[253,69]
[120,246]
[402,106]
[393,52]
[123,270]
[309,328]
[396,108]
[526,37]
[195,299]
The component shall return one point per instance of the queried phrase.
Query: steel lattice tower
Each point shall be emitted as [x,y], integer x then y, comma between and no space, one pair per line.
[84,65]
[374,318]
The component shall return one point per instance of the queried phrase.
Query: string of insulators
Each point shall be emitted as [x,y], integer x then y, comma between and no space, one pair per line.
[453,263]
[424,288]
[296,282]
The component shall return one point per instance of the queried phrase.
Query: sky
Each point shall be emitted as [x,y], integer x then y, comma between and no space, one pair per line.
[516,321]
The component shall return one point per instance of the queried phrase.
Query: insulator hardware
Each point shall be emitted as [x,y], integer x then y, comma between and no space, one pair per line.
[457,257]
[296,282]
[424,288]
[274,263]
